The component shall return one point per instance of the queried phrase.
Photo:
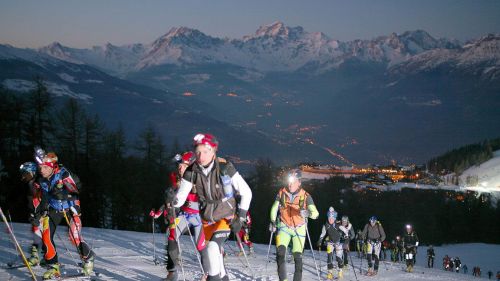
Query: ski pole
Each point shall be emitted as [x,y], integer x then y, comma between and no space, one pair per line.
[196,250]
[320,262]
[72,235]
[269,249]
[155,260]
[362,254]
[178,238]
[245,255]
[18,247]
[312,251]
[234,251]
[352,264]
[67,250]
[12,242]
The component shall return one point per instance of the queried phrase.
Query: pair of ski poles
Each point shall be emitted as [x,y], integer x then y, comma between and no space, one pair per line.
[155,259]
[302,246]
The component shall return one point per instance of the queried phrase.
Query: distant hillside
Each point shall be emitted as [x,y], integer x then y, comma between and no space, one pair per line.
[460,159]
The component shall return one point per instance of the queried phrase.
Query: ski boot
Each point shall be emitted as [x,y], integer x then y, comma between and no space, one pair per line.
[251,250]
[369,272]
[88,266]
[34,260]
[340,273]
[409,268]
[53,272]
[172,276]
[329,276]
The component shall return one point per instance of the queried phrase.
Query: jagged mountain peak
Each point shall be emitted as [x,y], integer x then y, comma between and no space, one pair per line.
[57,50]
[278,29]
[182,31]
[184,36]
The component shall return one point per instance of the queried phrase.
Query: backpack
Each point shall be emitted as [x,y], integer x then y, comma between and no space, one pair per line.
[214,204]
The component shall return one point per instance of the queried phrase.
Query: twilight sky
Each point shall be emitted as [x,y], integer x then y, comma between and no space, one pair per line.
[35,23]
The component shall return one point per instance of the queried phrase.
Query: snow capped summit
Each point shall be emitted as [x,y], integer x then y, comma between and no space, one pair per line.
[181,45]
[61,52]
[278,29]
[277,47]
[115,59]
[178,36]
[486,48]
[481,57]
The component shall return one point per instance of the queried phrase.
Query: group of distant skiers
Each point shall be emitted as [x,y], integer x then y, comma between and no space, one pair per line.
[208,200]
[454,264]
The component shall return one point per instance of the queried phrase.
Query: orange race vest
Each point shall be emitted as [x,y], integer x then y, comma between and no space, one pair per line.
[290,209]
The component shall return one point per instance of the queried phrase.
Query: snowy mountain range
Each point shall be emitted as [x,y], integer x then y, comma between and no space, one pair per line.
[371,100]
[277,47]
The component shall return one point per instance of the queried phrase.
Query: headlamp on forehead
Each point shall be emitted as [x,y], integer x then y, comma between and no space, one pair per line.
[294,175]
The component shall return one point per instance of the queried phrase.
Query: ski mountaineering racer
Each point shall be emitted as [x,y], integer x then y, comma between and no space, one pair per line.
[295,206]
[216,182]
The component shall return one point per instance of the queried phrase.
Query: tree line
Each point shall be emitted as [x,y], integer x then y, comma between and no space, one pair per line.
[121,179]
[460,159]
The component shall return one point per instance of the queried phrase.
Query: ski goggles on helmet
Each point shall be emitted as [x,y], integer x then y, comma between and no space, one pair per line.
[49,160]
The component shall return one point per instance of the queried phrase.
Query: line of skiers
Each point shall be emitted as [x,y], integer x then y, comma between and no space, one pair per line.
[209,199]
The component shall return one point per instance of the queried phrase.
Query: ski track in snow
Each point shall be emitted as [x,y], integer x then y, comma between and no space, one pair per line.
[126,255]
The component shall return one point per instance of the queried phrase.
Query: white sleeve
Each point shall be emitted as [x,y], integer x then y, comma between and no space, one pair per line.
[241,186]
[182,193]
[323,232]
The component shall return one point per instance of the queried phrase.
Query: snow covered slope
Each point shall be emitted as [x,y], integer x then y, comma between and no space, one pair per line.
[125,255]
[488,175]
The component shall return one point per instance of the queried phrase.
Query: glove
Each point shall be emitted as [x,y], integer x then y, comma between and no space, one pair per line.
[34,220]
[237,224]
[272,226]
[304,213]
[154,214]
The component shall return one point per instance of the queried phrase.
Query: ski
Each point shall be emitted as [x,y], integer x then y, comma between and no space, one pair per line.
[13,266]
[77,276]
